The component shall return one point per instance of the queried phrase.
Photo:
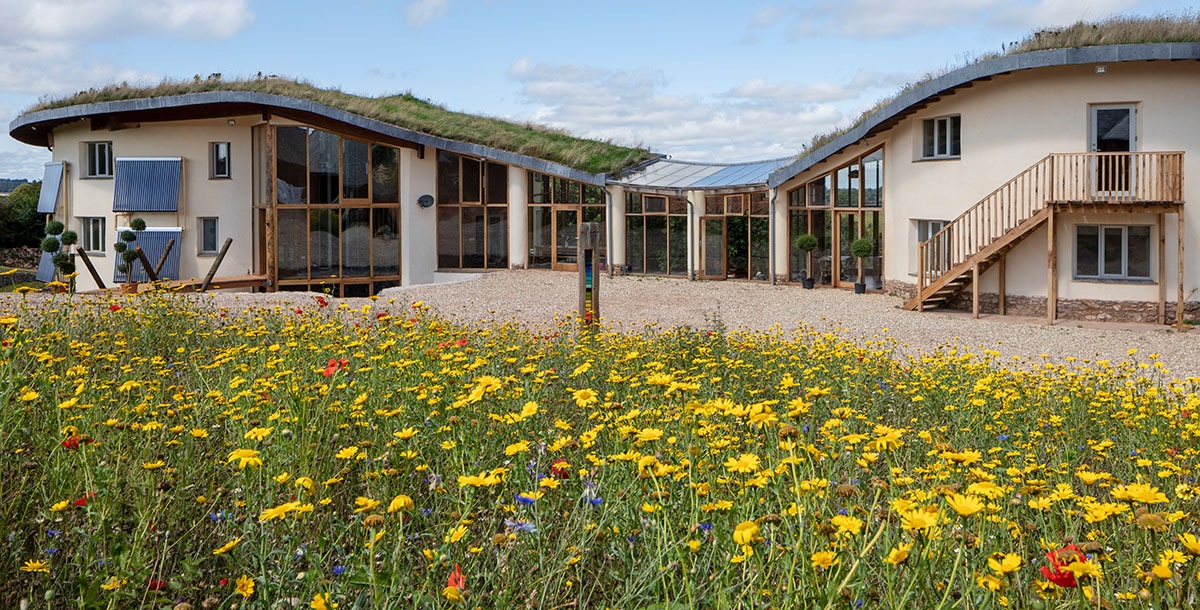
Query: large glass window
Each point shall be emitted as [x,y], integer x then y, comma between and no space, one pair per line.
[338,220]
[1115,252]
[472,213]
[838,208]
[556,208]
[655,234]
[737,236]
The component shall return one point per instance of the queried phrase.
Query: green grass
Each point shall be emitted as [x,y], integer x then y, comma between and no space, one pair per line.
[403,110]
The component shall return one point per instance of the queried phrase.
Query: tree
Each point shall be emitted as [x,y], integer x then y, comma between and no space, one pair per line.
[20,223]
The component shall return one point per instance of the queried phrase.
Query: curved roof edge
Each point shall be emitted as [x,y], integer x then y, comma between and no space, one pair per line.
[991,67]
[26,127]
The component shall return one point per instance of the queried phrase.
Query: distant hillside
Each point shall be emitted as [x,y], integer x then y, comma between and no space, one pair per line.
[8,184]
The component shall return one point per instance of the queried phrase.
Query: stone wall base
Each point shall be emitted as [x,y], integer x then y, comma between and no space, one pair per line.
[1069,309]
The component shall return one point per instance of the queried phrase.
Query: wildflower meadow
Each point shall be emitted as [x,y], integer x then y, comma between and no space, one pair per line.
[166,452]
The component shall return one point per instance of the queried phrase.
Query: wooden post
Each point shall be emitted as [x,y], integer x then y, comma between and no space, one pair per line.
[212,271]
[975,291]
[162,260]
[921,276]
[1003,276]
[270,221]
[87,262]
[1051,270]
[1179,300]
[1162,268]
[145,265]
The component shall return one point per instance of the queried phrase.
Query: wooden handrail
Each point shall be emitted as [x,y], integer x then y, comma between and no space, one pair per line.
[1097,177]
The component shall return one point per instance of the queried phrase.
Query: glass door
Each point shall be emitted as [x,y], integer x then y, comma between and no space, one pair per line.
[1113,130]
[713,247]
[847,267]
[566,238]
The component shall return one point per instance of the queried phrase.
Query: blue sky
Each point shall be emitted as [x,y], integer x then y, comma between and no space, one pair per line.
[699,80]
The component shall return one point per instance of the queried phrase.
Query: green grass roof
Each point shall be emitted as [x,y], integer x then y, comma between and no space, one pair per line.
[402,110]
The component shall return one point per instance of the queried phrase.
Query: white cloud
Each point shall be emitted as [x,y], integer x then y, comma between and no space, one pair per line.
[1051,13]
[44,49]
[862,82]
[421,12]
[21,161]
[109,19]
[631,107]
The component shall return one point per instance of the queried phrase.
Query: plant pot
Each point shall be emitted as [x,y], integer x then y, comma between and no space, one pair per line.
[129,288]
[860,288]
[808,283]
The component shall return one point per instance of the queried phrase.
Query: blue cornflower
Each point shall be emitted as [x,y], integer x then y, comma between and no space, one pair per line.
[339,570]
[524,499]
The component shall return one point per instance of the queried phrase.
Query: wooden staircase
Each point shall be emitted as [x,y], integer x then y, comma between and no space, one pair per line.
[966,247]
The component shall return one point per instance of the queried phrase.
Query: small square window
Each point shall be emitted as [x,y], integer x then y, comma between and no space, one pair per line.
[91,234]
[99,162]
[209,233]
[942,138]
[219,160]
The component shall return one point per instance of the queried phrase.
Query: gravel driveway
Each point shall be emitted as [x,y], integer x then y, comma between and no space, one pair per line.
[535,298]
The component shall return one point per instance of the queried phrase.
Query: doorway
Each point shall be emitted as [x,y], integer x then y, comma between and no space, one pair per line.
[1113,129]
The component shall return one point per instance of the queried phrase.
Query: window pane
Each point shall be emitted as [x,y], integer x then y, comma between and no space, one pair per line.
[539,188]
[1114,251]
[323,167]
[655,204]
[796,198]
[735,205]
[385,241]
[220,159]
[293,244]
[497,238]
[356,242]
[474,237]
[633,203]
[797,258]
[955,127]
[354,170]
[595,213]
[677,245]
[447,179]
[566,191]
[541,237]
[471,184]
[291,156]
[208,235]
[678,205]
[497,183]
[929,136]
[872,179]
[737,247]
[1087,251]
[847,186]
[593,194]
[566,228]
[760,237]
[635,244]
[447,232]
[323,235]
[385,175]
[656,244]
[1139,252]
[819,191]
[872,229]
[714,206]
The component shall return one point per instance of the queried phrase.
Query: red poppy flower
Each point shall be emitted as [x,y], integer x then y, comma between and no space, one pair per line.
[223,582]
[457,580]
[559,469]
[156,585]
[72,442]
[1059,560]
[322,302]
[114,308]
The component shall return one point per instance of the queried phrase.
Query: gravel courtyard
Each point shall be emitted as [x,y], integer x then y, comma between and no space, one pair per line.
[535,298]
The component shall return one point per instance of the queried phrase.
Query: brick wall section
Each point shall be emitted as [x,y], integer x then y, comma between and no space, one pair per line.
[1069,309]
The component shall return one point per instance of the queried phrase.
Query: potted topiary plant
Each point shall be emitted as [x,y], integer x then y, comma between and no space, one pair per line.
[860,249]
[807,243]
[56,239]
[125,247]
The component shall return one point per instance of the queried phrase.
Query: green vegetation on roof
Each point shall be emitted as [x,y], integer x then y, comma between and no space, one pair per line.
[402,110]
[1115,30]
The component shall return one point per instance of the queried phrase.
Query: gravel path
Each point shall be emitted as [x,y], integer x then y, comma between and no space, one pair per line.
[534,298]
[537,299]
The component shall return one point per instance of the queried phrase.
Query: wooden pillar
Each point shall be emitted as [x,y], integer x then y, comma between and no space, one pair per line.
[1001,264]
[1179,299]
[1051,270]
[975,291]
[270,222]
[1162,268]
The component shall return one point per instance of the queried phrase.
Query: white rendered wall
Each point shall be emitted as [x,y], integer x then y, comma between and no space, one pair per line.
[418,225]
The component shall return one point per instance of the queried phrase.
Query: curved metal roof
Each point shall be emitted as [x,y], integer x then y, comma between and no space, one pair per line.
[913,100]
[688,175]
[34,128]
